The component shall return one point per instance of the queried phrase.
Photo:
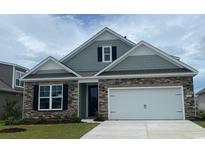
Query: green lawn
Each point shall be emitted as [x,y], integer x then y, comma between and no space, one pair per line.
[200,123]
[49,131]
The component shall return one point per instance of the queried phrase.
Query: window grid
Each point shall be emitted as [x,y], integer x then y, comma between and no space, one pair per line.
[50,97]
[107,52]
[18,75]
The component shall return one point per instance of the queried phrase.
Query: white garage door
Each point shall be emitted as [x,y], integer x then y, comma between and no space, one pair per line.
[146,103]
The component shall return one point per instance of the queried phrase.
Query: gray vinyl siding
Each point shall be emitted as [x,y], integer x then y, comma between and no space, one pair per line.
[87,73]
[87,60]
[201,102]
[6,74]
[144,62]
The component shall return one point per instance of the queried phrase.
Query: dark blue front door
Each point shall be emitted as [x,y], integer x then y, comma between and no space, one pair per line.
[92,100]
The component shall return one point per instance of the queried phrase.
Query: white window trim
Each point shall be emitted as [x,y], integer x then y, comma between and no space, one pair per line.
[103,58]
[19,78]
[50,98]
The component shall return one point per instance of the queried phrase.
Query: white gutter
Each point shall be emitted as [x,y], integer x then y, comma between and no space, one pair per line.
[113,77]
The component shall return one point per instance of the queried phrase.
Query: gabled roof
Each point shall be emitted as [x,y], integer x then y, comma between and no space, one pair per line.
[6,88]
[46,60]
[88,42]
[158,51]
[202,91]
[15,65]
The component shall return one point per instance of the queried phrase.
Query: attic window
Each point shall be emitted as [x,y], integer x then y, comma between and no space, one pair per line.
[107,53]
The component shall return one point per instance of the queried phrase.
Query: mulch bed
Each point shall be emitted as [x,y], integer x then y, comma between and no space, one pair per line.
[12,130]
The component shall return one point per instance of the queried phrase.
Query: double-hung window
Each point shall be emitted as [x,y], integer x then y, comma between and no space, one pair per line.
[50,97]
[107,53]
[18,75]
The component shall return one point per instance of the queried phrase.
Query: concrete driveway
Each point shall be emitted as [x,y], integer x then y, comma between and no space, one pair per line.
[153,129]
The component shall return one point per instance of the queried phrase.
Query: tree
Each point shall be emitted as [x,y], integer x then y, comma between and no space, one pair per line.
[11,110]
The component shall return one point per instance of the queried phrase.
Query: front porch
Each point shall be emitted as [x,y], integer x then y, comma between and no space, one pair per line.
[88,99]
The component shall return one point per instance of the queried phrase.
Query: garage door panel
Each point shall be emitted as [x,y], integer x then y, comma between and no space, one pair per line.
[131,107]
[146,103]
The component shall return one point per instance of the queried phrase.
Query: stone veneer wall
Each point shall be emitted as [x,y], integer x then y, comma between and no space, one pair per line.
[186,82]
[29,113]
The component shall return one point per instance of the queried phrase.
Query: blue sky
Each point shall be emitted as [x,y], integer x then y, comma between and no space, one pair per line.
[27,39]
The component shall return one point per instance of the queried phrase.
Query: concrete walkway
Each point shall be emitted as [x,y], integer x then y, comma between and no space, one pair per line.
[153,129]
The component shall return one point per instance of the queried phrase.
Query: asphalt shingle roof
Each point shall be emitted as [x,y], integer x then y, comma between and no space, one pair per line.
[146,71]
[50,75]
[5,87]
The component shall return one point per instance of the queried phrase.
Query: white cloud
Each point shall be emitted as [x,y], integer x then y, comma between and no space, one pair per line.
[34,37]
[32,43]
[27,39]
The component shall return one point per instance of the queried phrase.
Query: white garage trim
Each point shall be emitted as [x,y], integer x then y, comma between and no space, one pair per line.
[160,87]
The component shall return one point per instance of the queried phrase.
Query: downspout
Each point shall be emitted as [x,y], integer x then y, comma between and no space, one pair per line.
[13,77]
[23,102]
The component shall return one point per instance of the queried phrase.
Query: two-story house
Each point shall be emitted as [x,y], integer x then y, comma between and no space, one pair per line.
[114,76]
[10,85]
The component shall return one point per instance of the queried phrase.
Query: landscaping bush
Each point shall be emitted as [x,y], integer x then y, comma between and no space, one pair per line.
[202,115]
[9,121]
[11,110]
[98,117]
[13,122]
[41,120]
[73,118]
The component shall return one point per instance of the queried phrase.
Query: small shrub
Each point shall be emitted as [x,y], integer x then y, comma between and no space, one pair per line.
[12,121]
[41,120]
[27,121]
[9,120]
[98,117]
[18,122]
[73,118]
[58,119]
[66,117]
[202,114]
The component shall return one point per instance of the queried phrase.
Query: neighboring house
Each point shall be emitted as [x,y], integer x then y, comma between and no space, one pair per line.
[200,98]
[10,85]
[111,75]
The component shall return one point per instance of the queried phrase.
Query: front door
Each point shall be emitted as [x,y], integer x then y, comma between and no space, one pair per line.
[92,100]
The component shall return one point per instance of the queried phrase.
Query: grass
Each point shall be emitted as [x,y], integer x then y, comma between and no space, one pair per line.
[200,123]
[49,131]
